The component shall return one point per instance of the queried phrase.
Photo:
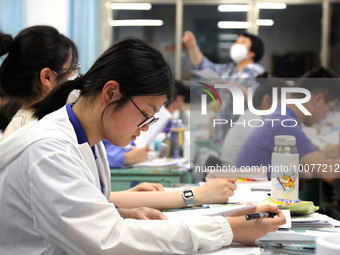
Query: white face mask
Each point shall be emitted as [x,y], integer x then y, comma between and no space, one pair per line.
[71,78]
[238,52]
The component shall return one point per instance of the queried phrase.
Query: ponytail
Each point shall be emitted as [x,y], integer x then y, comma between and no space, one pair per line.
[56,98]
[6,42]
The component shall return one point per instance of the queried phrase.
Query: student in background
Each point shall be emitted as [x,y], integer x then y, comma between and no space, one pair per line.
[39,58]
[262,100]
[58,181]
[245,53]
[258,147]
[119,157]
[177,104]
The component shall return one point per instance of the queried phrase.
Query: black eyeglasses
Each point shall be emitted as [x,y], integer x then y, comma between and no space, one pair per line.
[148,120]
[75,70]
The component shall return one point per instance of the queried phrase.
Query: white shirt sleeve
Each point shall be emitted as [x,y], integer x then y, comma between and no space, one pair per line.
[71,213]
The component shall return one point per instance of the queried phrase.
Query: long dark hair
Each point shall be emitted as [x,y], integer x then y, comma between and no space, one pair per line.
[139,68]
[33,49]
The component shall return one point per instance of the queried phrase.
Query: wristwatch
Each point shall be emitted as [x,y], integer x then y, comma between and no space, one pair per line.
[188,195]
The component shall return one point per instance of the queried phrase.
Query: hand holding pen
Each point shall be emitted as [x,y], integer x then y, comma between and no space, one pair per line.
[251,230]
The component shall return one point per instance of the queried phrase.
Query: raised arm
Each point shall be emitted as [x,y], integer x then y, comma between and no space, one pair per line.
[194,51]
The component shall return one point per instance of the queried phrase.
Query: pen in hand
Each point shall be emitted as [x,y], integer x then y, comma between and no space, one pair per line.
[252,216]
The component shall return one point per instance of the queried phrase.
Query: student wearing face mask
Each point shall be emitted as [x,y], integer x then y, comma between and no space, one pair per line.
[39,58]
[245,53]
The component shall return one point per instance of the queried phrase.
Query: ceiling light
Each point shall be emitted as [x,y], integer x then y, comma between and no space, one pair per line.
[225,44]
[227,37]
[245,8]
[271,6]
[233,8]
[243,24]
[131,6]
[264,22]
[136,22]
[233,24]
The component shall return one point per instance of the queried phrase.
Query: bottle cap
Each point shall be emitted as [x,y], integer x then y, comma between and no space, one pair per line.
[287,140]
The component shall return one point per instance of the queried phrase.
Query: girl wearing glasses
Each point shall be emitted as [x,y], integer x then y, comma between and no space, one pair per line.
[39,58]
[55,187]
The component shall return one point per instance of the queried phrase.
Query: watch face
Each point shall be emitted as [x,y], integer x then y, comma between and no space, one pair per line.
[188,193]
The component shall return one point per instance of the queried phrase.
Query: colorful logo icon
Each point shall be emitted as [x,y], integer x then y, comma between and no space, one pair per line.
[204,97]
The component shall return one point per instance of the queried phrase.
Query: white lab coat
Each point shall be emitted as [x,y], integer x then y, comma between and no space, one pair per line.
[51,201]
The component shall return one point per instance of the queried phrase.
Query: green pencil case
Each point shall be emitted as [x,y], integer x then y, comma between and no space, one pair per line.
[297,207]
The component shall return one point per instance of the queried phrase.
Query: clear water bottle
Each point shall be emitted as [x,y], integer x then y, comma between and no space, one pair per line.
[285,169]
[176,139]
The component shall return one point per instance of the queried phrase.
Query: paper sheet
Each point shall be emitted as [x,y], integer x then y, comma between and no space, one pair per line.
[233,249]
[322,141]
[162,162]
[314,220]
[243,194]
[222,211]
[147,138]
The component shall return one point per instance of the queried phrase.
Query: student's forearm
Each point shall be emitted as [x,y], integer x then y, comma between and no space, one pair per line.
[196,55]
[317,165]
[159,200]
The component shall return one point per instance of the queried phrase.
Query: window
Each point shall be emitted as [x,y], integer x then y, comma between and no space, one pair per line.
[293,43]
[162,37]
[335,38]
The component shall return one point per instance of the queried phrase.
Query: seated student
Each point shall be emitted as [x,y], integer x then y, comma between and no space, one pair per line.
[177,104]
[57,182]
[262,100]
[39,58]
[258,147]
[118,157]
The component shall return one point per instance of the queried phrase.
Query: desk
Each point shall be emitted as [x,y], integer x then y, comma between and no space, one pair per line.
[289,231]
[122,179]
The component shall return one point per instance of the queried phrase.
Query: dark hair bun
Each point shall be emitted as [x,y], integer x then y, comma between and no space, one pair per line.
[6,41]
